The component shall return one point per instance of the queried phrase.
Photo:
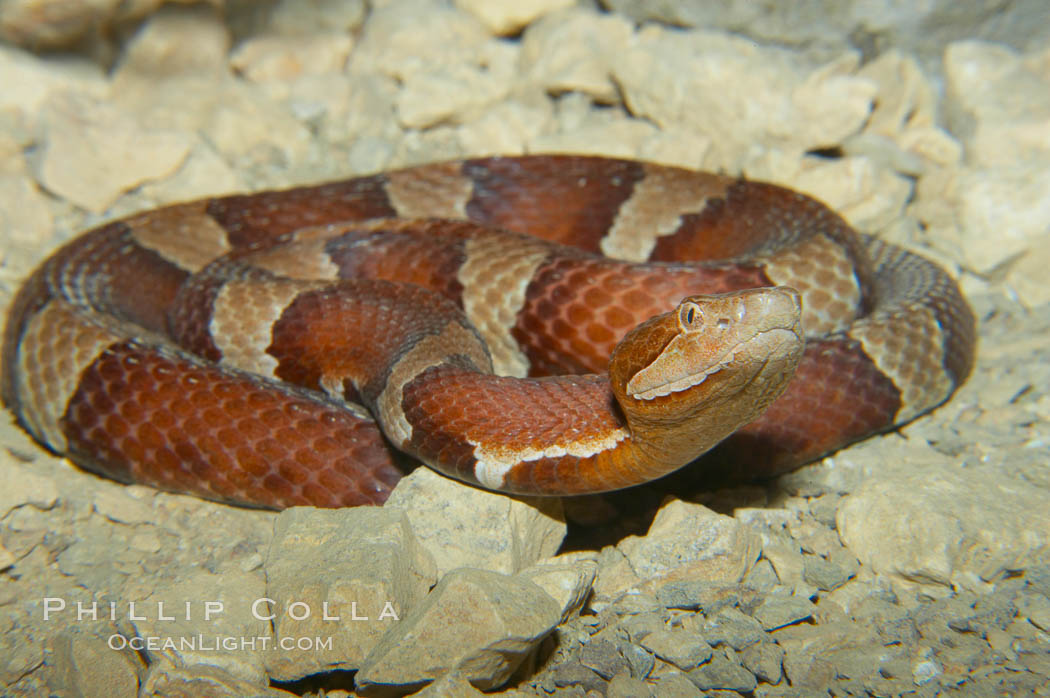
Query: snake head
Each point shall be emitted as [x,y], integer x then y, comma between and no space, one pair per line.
[709,366]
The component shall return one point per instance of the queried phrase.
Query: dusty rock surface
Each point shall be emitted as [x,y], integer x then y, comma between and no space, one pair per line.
[916,563]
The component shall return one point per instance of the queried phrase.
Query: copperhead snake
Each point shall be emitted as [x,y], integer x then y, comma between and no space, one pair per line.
[268,349]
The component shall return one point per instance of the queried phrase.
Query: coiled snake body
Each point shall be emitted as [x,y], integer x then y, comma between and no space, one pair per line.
[268,348]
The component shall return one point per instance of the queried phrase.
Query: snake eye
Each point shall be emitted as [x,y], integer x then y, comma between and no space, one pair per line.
[690,317]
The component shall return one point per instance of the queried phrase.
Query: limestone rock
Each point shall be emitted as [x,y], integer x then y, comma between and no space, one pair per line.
[765,661]
[409,36]
[178,41]
[29,80]
[345,574]
[723,673]
[732,627]
[482,529]
[508,16]
[25,215]
[566,578]
[779,611]
[479,623]
[204,680]
[679,647]
[879,523]
[689,541]
[829,25]
[999,102]
[223,608]
[86,666]
[430,97]
[451,685]
[738,93]
[574,51]
[44,24]
[94,152]
[295,18]
[19,486]
[287,58]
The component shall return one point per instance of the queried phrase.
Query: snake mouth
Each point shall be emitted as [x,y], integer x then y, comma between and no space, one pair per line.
[747,356]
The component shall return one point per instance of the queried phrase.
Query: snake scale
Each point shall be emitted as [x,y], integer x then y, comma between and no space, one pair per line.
[539,324]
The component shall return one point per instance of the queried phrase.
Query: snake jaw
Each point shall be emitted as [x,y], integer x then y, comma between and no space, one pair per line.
[744,328]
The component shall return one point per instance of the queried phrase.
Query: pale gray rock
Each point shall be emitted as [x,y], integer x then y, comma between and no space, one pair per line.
[26,214]
[640,660]
[178,41]
[624,686]
[126,504]
[813,537]
[507,127]
[29,80]
[508,16]
[480,623]
[20,486]
[463,526]
[998,102]
[402,38]
[40,24]
[862,661]
[682,648]
[828,574]
[603,658]
[86,666]
[450,93]
[566,578]
[707,597]
[806,671]
[346,574]
[7,558]
[871,27]
[76,128]
[220,606]
[807,646]
[21,652]
[1008,203]
[723,673]
[778,611]
[250,130]
[733,628]
[286,58]
[996,206]
[690,541]
[1035,608]
[676,685]
[761,577]
[451,685]
[739,93]
[204,680]
[576,676]
[587,129]
[614,575]
[574,51]
[186,53]
[295,18]
[764,660]
[204,173]
[637,626]
[788,562]
[878,524]
[636,602]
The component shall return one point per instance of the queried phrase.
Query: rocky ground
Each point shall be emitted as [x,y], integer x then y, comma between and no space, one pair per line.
[916,563]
